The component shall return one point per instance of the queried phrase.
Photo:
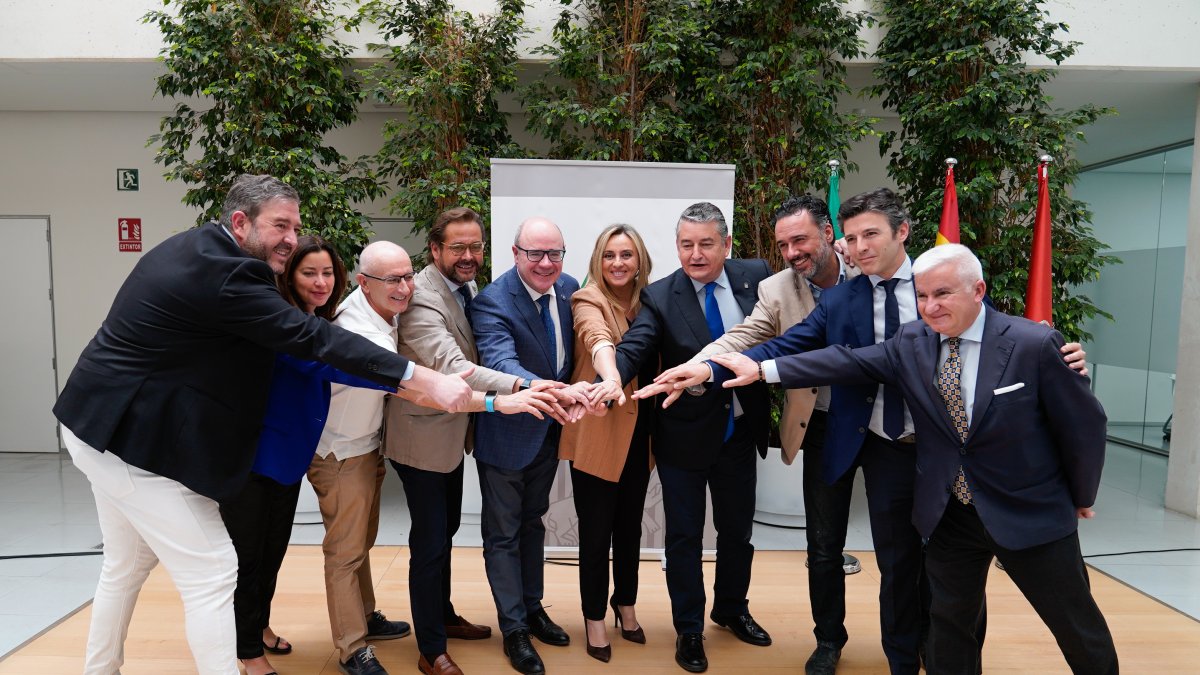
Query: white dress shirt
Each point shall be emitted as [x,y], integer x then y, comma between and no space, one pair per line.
[355,414]
[731,314]
[906,301]
[558,333]
[969,345]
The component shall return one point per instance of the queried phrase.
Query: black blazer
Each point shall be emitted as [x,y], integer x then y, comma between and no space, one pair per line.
[670,328]
[1035,449]
[175,381]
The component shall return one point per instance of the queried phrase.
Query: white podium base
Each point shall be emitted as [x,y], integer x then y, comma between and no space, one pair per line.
[779,499]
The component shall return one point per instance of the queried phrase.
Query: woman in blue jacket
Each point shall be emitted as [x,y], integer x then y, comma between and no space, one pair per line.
[259,519]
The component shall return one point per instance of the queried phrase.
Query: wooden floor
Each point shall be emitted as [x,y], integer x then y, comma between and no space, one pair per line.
[1150,637]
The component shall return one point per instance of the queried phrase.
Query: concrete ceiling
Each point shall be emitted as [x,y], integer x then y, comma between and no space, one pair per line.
[1154,108]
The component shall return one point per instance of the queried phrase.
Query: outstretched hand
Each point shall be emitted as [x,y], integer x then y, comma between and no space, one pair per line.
[603,392]
[745,369]
[674,381]
[535,401]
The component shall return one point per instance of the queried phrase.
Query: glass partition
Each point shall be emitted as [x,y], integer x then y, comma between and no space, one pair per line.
[1140,210]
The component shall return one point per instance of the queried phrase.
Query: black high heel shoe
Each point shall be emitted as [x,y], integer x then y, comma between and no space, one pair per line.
[636,635]
[603,654]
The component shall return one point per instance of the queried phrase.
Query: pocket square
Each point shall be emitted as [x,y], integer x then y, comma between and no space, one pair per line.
[1009,388]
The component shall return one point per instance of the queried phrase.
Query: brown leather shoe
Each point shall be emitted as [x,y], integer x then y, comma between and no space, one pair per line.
[442,665]
[461,629]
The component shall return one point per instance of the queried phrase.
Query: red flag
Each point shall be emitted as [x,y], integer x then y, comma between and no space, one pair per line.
[1038,306]
[948,227]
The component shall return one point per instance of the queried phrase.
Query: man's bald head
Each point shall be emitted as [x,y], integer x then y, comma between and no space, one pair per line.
[539,238]
[386,278]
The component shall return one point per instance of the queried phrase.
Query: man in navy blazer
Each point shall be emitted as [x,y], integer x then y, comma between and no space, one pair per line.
[162,412]
[523,326]
[1010,451]
[706,440]
[868,424]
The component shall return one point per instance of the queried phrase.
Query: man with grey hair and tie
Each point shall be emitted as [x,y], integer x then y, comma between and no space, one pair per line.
[1010,447]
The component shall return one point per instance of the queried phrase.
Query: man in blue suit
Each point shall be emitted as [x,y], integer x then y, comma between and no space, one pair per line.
[1010,455]
[523,326]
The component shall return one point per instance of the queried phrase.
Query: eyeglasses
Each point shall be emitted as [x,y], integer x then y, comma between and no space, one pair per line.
[391,282]
[459,249]
[536,254]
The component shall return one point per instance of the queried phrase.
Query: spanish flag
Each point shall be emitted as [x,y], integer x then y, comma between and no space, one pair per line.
[1038,305]
[948,227]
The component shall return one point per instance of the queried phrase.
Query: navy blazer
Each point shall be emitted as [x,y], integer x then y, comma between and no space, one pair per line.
[511,338]
[297,407]
[1034,451]
[670,329]
[844,316]
[175,381]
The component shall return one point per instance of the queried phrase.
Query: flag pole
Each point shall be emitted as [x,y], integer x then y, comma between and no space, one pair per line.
[834,200]
[948,226]
[1038,294]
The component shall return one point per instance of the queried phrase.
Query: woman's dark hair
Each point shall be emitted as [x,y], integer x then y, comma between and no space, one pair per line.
[305,245]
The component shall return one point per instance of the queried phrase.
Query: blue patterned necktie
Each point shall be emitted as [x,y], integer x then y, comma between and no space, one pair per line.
[548,324]
[949,384]
[716,328]
[893,401]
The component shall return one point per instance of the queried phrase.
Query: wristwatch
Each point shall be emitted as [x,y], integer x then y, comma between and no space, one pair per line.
[525,384]
[489,401]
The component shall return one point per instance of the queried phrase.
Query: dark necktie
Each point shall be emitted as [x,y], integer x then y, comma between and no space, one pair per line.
[465,292]
[949,383]
[548,324]
[893,401]
[716,328]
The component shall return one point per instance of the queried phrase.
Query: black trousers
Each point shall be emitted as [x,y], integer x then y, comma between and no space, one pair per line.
[611,514]
[514,536]
[259,521]
[731,481]
[889,471]
[827,514]
[435,504]
[1051,576]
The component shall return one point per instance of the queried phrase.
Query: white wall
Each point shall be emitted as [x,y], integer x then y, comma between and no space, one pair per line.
[63,165]
[113,29]
[1115,33]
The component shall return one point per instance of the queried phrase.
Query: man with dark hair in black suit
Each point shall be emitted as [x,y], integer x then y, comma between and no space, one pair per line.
[163,409]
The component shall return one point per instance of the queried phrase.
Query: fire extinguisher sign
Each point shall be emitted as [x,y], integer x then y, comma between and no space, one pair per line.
[129,234]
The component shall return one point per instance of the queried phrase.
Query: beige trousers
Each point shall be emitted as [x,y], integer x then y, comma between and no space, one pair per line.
[348,495]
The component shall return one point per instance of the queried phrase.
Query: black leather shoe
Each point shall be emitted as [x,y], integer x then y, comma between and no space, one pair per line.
[379,628]
[542,628]
[745,628]
[521,654]
[689,652]
[824,660]
[362,662]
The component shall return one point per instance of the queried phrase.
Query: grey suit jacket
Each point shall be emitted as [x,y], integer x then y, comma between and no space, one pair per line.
[435,333]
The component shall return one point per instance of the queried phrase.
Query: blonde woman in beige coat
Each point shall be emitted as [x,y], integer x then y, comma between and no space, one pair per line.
[610,454]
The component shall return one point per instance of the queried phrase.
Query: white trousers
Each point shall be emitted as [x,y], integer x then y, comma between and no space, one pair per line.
[145,518]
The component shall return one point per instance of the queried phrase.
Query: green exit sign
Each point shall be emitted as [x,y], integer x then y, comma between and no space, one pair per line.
[127,180]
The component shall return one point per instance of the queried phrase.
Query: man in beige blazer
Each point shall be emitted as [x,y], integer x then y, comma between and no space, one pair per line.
[804,234]
[425,446]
